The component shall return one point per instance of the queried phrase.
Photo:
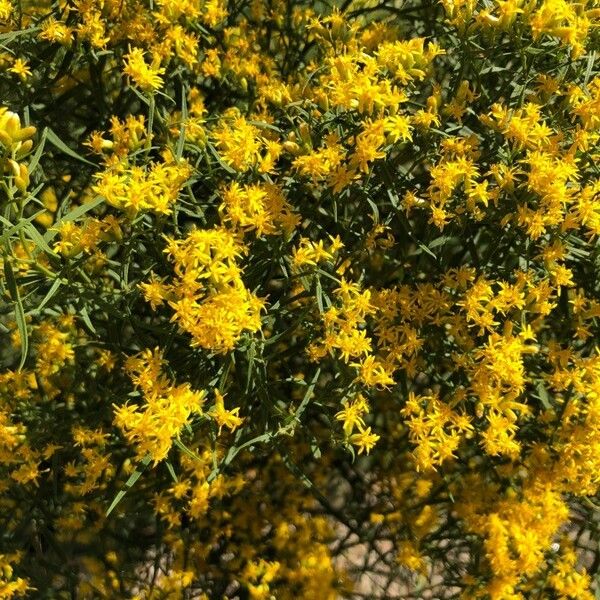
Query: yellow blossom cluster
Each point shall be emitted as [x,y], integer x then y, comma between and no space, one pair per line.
[260,208]
[208,296]
[435,430]
[570,22]
[134,189]
[166,408]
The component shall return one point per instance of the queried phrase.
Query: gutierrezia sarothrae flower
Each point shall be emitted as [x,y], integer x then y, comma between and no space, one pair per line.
[355,430]
[311,253]
[208,295]
[225,417]
[134,188]
[15,144]
[345,334]
[435,429]
[257,576]
[6,9]
[364,439]
[238,141]
[410,557]
[324,162]
[166,408]
[563,20]
[10,585]
[565,578]
[352,414]
[55,31]
[373,372]
[147,77]
[260,208]
[517,529]
[21,69]
[85,237]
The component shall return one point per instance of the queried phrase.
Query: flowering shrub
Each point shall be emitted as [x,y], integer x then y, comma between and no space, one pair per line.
[299,300]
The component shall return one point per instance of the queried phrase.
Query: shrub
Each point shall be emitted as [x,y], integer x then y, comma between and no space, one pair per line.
[299,300]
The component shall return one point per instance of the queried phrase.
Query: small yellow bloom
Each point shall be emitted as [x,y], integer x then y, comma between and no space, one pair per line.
[364,439]
[21,69]
[147,77]
[223,417]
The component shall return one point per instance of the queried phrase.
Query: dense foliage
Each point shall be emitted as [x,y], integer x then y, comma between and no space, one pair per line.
[299,301]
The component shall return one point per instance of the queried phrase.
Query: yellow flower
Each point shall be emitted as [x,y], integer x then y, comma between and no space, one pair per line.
[364,439]
[6,9]
[147,77]
[223,417]
[155,292]
[21,69]
[167,407]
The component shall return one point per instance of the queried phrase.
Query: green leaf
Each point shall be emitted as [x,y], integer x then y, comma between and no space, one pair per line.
[60,145]
[375,210]
[221,162]
[36,237]
[426,249]
[6,38]
[141,96]
[543,395]
[264,125]
[53,289]
[250,356]
[186,450]
[314,448]
[12,229]
[129,484]
[308,395]
[86,319]
[590,67]
[184,117]
[235,450]
[171,471]
[319,294]
[35,159]
[13,290]
[440,241]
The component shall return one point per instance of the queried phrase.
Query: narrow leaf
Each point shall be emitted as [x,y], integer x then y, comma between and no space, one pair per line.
[60,145]
[13,290]
[129,484]
[53,289]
